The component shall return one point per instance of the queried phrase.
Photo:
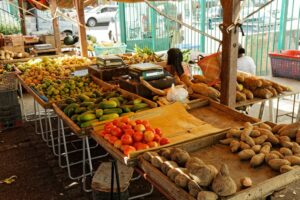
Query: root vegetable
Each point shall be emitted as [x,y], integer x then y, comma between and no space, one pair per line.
[244,145]
[182,180]
[271,137]
[284,139]
[270,156]
[193,161]
[261,139]
[265,149]
[234,146]
[194,188]
[285,168]
[246,154]
[265,126]
[285,151]
[234,132]
[167,165]
[148,155]
[246,182]
[227,141]
[202,174]
[275,164]
[165,153]
[207,195]
[294,160]
[277,127]
[290,130]
[248,93]
[286,144]
[172,173]
[256,148]
[257,160]
[157,161]
[180,157]
[246,138]
[296,148]
[255,133]
[240,96]
[223,184]
[277,153]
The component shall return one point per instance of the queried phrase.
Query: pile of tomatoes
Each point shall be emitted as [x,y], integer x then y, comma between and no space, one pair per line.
[132,135]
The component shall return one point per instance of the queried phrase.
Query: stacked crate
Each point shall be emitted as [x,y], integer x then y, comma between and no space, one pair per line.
[14,43]
[10,111]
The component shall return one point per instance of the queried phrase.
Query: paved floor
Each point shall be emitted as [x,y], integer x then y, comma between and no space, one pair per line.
[24,154]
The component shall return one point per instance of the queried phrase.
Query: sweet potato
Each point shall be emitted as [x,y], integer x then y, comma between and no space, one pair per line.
[256,148]
[201,79]
[252,82]
[248,93]
[274,91]
[246,138]
[257,160]
[157,161]
[271,137]
[244,145]
[290,130]
[265,126]
[227,141]
[296,148]
[261,139]
[262,93]
[286,144]
[285,151]
[285,168]
[167,165]
[246,154]
[246,182]
[207,195]
[202,174]
[186,80]
[277,127]
[194,188]
[255,133]
[298,136]
[193,161]
[234,146]
[240,96]
[275,164]
[234,132]
[205,90]
[270,156]
[266,83]
[284,139]
[277,153]
[294,160]
[223,184]
[265,149]
[148,155]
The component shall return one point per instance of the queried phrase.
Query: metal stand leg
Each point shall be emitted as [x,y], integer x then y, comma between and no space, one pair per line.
[271,110]
[293,112]
[114,172]
[277,107]
[261,110]
[86,141]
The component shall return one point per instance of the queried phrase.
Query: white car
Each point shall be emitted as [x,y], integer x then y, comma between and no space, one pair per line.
[102,14]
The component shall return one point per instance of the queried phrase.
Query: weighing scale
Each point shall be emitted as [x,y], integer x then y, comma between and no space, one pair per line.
[148,71]
[109,61]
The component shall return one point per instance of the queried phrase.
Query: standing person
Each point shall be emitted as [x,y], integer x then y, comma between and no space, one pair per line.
[245,63]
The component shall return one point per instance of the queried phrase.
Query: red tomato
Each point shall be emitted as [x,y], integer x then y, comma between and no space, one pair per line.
[156,138]
[129,131]
[138,136]
[107,125]
[148,136]
[126,126]
[146,123]
[115,122]
[138,121]
[123,146]
[164,141]
[128,150]
[126,139]
[120,124]
[132,123]
[112,139]
[150,129]
[141,146]
[107,136]
[140,127]
[116,132]
[158,131]
[118,144]
[153,144]
[102,133]
[125,120]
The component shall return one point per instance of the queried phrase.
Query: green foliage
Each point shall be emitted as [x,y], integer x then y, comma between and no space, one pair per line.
[8,29]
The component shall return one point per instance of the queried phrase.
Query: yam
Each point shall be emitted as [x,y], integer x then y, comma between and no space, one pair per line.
[202,174]
[186,80]
[213,169]
[266,83]
[265,149]
[277,153]
[277,127]
[194,188]
[244,145]
[207,195]
[255,133]
[234,132]
[193,161]
[257,160]
[201,79]
[286,144]
[167,165]
[246,138]
[298,136]
[223,184]
[275,164]
[180,157]
[246,154]
[284,139]
[294,160]
[227,141]
[270,156]
[274,91]
[265,126]
[240,96]
[285,151]
[252,82]
[290,130]
[261,139]
[157,161]
[262,93]
[296,148]
[271,137]
[172,173]
[234,146]
[203,89]
[182,180]
[148,155]
[248,93]
[256,148]
[246,182]
[285,168]
[166,153]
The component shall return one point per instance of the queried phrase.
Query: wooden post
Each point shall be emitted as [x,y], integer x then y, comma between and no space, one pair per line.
[81,22]
[229,53]
[22,16]
[56,32]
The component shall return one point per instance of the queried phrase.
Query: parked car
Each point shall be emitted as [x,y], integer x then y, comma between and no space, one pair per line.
[102,14]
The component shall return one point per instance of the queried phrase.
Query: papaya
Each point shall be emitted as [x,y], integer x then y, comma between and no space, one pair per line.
[87,117]
[112,110]
[121,98]
[83,97]
[137,101]
[126,109]
[72,105]
[70,100]
[139,106]
[80,110]
[99,113]
[116,100]
[107,104]
[86,104]
[70,111]
[74,117]
[98,100]
[88,123]
[97,93]
[111,94]
[109,116]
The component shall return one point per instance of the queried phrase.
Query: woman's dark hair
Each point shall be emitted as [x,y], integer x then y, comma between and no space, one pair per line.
[175,59]
[241,50]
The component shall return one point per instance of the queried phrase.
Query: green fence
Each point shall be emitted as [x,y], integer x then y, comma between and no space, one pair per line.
[9,18]
[274,28]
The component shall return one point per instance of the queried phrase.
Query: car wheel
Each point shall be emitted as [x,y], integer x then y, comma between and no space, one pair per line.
[91,22]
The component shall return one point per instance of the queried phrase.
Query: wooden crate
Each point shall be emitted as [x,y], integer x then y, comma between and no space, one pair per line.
[265,180]
[48,39]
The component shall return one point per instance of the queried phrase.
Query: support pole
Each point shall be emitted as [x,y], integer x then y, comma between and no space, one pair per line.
[56,32]
[122,23]
[153,28]
[229,53]
[282,27]
[22,16]
[82,32]
[202,24]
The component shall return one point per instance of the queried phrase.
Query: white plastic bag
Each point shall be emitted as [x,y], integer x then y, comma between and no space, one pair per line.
[177,93]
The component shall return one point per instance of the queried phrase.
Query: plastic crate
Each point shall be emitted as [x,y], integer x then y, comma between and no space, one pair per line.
[8,81]
[8,98]
[100,50]
[286,64]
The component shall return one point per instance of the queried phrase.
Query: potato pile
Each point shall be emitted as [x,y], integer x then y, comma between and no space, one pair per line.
[202,181]
[247,87]
[278,146]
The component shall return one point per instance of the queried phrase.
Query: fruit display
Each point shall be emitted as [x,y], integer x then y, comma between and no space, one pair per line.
[132,135]
[73,61]
[57,90]
[9,55]
[6,68]
[276,146]
[247,87]
[36,70]
[144,55]
[88,109]
[201,180]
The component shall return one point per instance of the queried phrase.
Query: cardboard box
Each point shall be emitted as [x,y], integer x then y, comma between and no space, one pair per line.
[48,39]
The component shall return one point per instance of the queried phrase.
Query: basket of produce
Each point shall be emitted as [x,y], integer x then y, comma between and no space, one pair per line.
[109,48]
[8,80]
[286,64]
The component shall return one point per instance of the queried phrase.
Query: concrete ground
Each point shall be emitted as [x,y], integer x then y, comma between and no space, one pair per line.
[24,154]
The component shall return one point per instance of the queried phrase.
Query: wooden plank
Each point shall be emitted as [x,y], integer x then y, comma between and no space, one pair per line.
[229,53]
[81,22]
[22,16]
[56,32]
